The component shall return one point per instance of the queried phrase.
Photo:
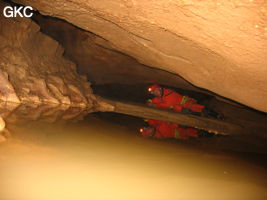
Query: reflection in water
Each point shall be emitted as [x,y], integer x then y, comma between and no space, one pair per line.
[96,159]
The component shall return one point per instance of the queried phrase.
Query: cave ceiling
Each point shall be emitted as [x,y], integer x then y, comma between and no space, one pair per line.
[215,45]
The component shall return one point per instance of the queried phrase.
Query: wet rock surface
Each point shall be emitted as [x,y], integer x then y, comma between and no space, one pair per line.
[33,69]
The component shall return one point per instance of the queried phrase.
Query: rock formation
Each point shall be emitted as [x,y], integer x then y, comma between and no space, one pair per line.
[33,69]
[2,124]
[102,64]
[219,46]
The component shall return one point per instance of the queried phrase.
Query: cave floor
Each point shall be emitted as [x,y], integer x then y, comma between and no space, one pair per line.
[102,157]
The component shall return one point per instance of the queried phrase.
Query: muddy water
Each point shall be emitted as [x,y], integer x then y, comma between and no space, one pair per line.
[97,159]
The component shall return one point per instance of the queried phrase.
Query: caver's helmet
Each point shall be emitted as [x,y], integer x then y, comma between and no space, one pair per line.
[152,88]
[147,131]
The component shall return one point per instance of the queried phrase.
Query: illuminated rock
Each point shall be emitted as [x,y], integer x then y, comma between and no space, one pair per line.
[2,124]
[217,46]
[33,69]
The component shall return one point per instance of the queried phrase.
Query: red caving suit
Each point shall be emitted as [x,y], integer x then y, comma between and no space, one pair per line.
[173,100]
[171,130]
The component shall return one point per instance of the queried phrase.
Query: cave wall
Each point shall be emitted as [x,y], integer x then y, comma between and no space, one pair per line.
[102,64]
[219,46]
[33,69]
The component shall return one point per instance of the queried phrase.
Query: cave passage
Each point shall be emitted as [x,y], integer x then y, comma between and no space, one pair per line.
[72,106]
[122,78]
[123,81]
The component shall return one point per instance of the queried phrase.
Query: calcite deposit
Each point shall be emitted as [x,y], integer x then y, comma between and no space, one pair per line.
[33,69]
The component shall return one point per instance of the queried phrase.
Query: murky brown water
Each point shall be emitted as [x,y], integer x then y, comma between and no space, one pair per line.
[97,159]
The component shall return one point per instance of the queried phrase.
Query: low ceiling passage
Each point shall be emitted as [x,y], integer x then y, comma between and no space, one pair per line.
[118,76]
[48,75]
[55,149]
[103,64]
[219,46]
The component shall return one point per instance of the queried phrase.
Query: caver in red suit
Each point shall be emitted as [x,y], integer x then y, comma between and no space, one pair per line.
[169,99]
[160,129]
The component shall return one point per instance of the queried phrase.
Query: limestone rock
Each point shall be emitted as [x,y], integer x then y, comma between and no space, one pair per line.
[33,69]
[219,46]
[96,58]
[2,130]
[2,124]
[7,92]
